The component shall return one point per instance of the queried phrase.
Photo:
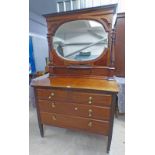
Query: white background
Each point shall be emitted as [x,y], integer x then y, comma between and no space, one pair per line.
[140,83]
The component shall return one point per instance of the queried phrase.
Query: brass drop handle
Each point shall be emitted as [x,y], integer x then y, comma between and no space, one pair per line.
[76,108]
[90,124]
[53,105]
[52,94]
[90,98]
[54,118]
[89,102]
[90,112]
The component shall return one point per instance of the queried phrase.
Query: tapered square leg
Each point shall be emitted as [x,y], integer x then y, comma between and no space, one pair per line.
[41,130]
[109,143]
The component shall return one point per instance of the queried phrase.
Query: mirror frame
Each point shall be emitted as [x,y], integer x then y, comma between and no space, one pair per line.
[104,64]
[85,61]
[54,54]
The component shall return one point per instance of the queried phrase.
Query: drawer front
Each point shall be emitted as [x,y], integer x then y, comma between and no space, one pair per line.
[65,121]
[75,97]
[91,98]
[89,111]
[52,94]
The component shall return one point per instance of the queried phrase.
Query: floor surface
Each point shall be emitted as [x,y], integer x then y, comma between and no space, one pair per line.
[58,141]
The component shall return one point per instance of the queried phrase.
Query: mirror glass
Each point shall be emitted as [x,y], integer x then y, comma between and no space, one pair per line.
[80,40]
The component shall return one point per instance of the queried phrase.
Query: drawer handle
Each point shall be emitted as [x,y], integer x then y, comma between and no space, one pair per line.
[54,118]
[52,94]
[49,97]
[90,102]
[90,113]
[90,124]
[76,108]
[90,98]
[53,105]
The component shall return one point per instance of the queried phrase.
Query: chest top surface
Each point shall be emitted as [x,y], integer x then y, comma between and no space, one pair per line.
[77,83]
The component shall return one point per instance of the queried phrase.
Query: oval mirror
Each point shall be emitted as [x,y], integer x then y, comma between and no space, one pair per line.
[80,40]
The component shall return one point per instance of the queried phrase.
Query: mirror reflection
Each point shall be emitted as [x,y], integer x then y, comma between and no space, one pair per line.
[80,40]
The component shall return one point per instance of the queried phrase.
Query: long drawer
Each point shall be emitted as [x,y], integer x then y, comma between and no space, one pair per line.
[89,111]
[75,97]
[66,121]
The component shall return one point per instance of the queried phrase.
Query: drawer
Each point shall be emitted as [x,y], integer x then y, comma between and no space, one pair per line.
[89,111]
[91,98]
[97,99]
[52,94]
[72,122]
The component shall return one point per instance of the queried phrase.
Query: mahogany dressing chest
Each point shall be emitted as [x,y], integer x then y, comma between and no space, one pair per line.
[80,92]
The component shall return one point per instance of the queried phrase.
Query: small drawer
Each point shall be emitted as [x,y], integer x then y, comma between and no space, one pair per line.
[52,94]
[97,99]
[89,111]
[65,121]
[91,98]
